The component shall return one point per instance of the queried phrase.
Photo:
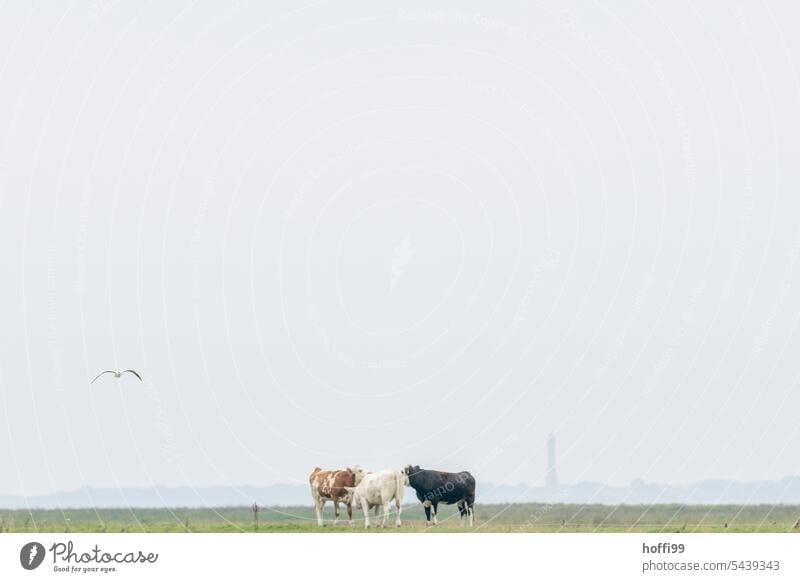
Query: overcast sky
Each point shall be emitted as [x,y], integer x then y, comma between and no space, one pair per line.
[336,233]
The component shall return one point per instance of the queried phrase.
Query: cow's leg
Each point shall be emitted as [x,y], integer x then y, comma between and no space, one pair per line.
[350,512]
[398,506]
[462,512]
[385,510]
[319,505]
[365,509]
[435,511]
[427,505]
[471,509]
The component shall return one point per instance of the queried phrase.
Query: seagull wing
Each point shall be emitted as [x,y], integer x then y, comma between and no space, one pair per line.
[135,373]
[101,373]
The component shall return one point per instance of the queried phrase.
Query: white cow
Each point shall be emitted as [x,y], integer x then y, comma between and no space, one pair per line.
[377,490]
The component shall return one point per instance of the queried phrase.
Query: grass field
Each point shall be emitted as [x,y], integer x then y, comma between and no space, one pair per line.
[527,517]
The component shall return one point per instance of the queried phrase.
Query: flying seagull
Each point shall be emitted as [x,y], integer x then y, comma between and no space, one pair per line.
[117,374]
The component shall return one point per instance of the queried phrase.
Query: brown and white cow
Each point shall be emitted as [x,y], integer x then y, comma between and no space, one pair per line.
[333,485]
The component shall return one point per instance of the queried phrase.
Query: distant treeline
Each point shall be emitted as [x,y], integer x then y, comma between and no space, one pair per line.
[785,491]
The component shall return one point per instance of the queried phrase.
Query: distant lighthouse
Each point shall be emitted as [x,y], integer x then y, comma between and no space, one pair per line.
[551,479]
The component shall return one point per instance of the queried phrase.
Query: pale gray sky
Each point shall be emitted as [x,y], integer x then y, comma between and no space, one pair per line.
[334,233]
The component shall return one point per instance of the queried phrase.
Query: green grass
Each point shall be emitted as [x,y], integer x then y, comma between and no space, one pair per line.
[524,517]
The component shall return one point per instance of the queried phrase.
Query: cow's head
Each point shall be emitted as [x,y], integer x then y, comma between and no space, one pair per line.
[359,472]
[404,482]
[410,471]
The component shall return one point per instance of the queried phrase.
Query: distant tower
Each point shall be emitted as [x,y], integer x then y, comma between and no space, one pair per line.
[551,479]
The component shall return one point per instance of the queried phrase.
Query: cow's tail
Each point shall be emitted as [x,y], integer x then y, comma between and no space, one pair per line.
[400,486]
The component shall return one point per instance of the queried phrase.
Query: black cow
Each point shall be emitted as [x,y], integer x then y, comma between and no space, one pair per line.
[435,487]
